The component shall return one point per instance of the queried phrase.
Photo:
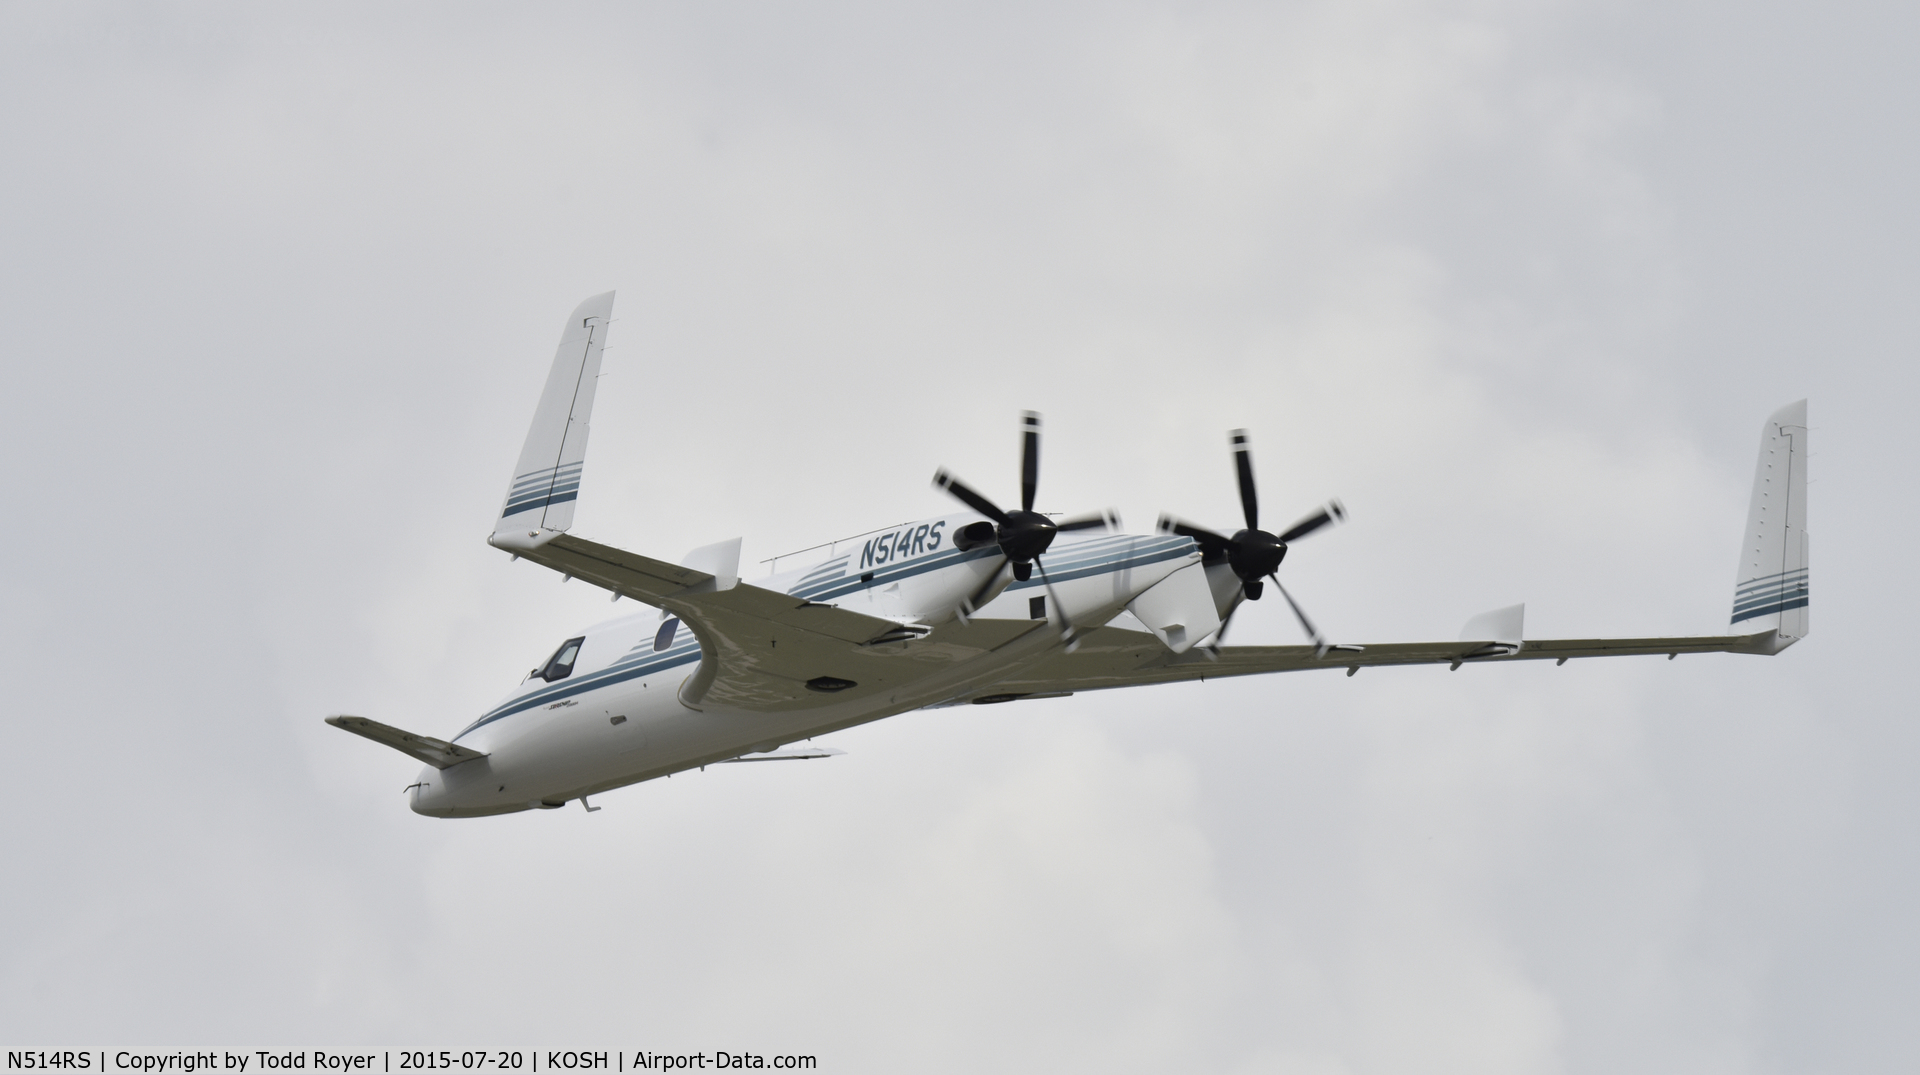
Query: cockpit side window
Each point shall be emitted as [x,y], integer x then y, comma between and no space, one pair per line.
[560,665]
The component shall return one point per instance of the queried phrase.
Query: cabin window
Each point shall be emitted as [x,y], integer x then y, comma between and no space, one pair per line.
[664,638]
[560,665]
[1036,608]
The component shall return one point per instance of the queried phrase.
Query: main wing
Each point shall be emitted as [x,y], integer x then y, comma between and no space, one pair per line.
[1115,657]
[760,650]
[1770,593]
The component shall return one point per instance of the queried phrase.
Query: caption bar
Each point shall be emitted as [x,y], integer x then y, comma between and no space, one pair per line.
[390,1061]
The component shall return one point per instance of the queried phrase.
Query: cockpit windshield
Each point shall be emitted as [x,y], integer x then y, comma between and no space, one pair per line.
[560,665]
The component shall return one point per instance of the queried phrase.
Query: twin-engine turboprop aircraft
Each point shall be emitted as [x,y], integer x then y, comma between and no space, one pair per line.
[984,605]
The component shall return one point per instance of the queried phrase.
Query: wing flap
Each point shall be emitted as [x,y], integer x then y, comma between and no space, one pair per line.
[435,752]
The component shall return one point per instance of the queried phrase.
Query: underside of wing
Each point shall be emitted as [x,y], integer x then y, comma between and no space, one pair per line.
[764,651]
[1114,657]
[764,657]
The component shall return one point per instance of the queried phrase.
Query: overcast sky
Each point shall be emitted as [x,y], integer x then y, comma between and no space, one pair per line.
[1519,281]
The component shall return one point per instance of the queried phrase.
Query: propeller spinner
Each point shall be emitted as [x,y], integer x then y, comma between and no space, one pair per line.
[1023,535]
[1253,553]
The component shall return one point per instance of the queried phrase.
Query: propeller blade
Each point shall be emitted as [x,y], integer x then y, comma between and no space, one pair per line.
[968,497]
[972,602]
[1104,520]
[1067,633]
[1313,633]
[1334,511]
[1210,542]
[1243,464]
[1029,458]
[1220,636]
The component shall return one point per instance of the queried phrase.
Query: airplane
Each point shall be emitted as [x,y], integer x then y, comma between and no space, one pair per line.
[981,606]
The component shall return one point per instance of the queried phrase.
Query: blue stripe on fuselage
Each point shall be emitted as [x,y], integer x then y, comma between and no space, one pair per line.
[619,672]
[1072,562]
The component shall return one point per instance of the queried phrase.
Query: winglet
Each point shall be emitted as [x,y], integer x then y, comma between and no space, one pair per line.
[546,481]
[435,752]
[1770,590]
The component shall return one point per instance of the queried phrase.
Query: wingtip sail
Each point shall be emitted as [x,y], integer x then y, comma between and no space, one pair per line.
[546,481]
[1500,625]
[1771,589]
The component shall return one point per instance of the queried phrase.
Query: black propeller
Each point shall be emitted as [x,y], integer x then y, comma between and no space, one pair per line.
[1253,553]
[1024,535]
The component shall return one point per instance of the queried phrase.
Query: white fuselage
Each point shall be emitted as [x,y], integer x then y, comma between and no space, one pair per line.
[616,717]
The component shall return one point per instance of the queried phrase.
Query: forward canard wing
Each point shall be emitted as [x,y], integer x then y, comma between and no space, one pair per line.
[435,752]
